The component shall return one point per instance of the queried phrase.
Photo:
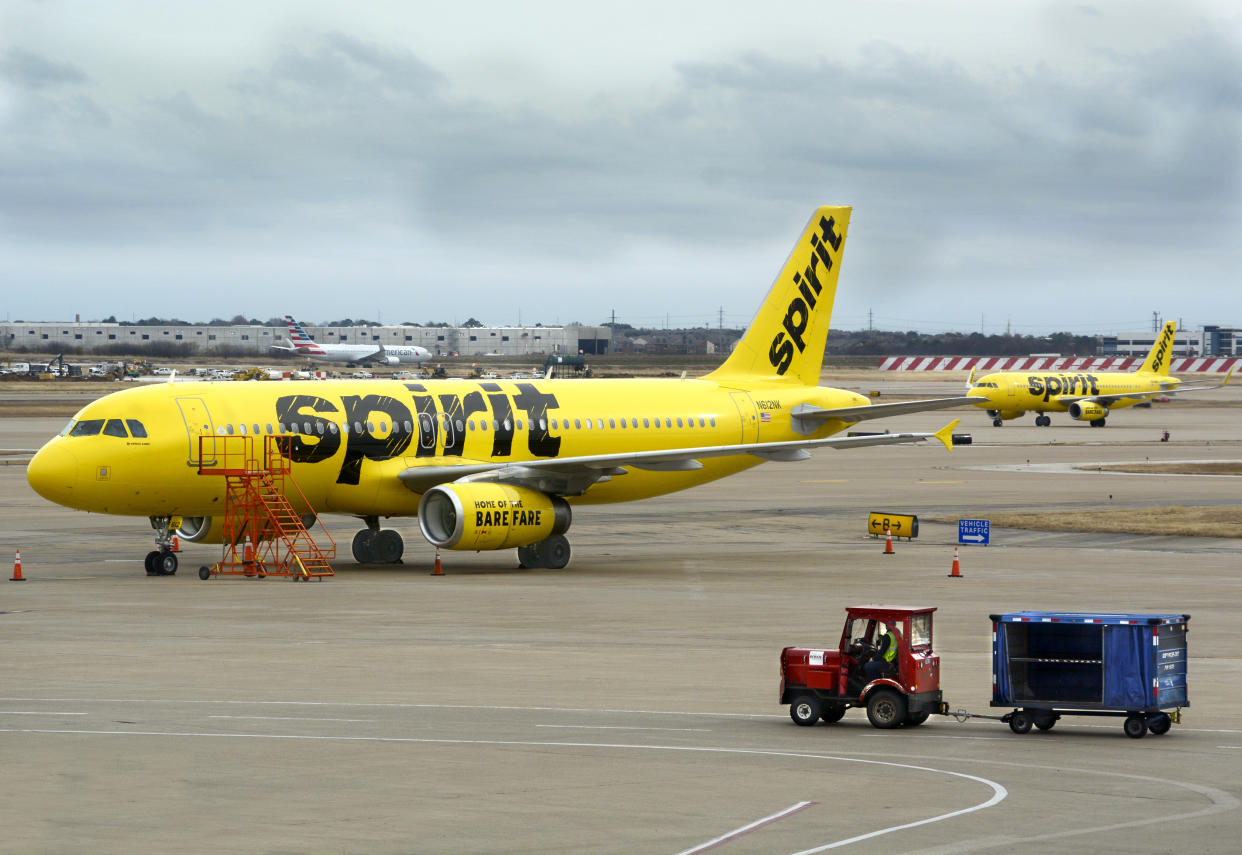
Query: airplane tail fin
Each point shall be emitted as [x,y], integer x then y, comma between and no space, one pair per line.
[788,335]
[297,335]
[1161,352]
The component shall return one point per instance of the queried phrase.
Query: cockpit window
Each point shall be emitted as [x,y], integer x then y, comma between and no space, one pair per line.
[87,427]
[67,427]
[136,428]
[115,427]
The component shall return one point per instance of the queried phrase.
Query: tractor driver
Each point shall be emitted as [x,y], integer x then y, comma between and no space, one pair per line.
[884,661]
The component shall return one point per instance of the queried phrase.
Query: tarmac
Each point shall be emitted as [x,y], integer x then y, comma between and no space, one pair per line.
[627,703]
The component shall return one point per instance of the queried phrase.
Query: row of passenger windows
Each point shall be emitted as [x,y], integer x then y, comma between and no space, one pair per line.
[446,424]
[107,427]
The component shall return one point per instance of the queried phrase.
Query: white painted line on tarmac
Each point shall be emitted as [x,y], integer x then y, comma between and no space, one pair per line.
[738,832]
[39,712]
[623,727]
[998,791]
[289,718]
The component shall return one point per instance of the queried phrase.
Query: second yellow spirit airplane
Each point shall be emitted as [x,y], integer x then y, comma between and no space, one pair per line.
[1086,396]
[482,464]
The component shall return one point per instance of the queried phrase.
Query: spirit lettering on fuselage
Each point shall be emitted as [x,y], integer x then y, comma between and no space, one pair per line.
[438,420]
[1063,384]
[798,314]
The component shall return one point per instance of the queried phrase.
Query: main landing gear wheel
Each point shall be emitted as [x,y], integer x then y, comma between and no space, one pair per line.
[1097,423]
[363,546]
[528,556]
[388,547]
[1135,726]
[377,547]
[997,422]
[150,562]
[1043,421]
[553,553]
[805,710]
[886,709]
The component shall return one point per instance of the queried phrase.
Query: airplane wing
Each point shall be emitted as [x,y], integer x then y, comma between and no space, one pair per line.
[807,417]
[571,476]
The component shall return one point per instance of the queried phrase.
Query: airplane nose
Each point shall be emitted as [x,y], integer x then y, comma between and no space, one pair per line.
[53,473]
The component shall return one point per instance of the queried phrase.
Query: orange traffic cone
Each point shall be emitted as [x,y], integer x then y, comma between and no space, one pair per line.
[248,557]
[439,571]
[17,568]
[957,566]
[888,542]
[176,544]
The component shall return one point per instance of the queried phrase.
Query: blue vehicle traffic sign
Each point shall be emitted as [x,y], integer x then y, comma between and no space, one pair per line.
[974,531]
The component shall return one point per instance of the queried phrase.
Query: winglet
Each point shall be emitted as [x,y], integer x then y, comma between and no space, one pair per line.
[945,434]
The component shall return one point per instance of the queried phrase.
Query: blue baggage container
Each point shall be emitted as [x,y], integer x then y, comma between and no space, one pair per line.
[1049,664]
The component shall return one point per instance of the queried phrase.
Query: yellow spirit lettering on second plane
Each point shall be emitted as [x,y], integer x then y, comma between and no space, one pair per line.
[1063,384]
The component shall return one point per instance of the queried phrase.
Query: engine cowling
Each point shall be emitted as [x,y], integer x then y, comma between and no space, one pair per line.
[391,360]
[490,516]
[200,530]
[1087,411]
[1005,415]
[211,529]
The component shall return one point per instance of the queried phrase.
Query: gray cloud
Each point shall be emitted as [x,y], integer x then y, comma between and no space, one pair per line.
[958,177]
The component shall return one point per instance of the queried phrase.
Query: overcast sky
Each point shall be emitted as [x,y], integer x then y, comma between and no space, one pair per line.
[1053,166]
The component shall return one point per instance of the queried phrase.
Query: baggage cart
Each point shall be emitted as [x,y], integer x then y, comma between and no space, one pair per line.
[1049,664]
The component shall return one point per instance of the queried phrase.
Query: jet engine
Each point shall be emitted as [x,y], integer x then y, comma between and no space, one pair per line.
[391,360]
[490,516]
[1087,411]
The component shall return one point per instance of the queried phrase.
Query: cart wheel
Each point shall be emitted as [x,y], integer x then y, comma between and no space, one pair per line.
[1020,721]
[916,719]
[886,709]
[1045,722]
[832,713]
[805,710]
[1135,726]
[1159,723]
[204,573]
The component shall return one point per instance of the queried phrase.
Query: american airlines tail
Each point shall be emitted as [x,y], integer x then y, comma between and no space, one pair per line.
[298,338]
[788,336]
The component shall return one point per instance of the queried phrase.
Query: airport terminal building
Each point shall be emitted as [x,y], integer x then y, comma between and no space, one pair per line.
[44,337]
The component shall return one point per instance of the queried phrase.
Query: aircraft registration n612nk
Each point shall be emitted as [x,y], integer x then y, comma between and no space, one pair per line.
[482,464]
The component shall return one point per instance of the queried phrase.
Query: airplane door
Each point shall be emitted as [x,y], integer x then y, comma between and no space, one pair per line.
[748,415]
[198,423]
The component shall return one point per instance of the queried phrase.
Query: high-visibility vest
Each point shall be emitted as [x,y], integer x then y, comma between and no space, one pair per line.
[890,647]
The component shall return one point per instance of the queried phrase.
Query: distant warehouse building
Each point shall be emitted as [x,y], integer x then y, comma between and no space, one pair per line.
[44,337]
[1210,341]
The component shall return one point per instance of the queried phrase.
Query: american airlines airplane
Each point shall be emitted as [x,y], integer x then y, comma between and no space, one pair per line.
[380,354]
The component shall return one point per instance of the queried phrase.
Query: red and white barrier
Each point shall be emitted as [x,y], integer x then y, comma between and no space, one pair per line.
[988,364]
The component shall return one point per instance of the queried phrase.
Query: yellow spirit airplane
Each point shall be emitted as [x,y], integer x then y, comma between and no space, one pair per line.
[1087,397]
[483,464]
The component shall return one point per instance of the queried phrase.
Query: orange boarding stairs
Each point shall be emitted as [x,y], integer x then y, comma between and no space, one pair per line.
[264,533]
